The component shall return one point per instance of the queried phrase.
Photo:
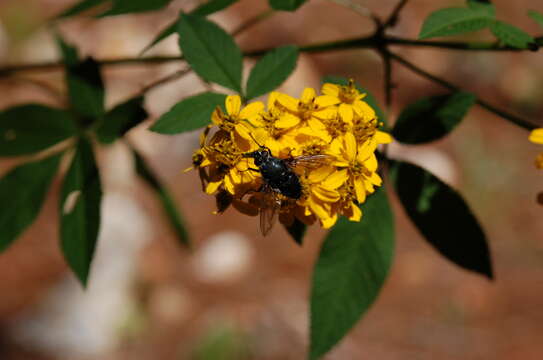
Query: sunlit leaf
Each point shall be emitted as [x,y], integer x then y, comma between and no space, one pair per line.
[26,129]
[204,9]
[511,35]
[22,192]
[210,51]
[79,211]
[454,21]
[442,216]
[271,71]
[350,271]
[189,114]
[168,204]
[286,5]
[369,98]
[431,118]
[536,16]
[121,119]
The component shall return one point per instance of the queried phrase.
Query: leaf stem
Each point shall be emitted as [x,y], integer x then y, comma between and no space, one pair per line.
[507,116]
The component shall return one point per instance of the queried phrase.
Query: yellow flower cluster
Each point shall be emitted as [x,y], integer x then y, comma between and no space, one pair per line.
[536,136]
[338,128]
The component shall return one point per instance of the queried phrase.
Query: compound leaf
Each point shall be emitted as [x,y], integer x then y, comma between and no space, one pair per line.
[454,21]
[350,271]
[22,191]
[511,35]
[121,119]
[442,216]
[431,118]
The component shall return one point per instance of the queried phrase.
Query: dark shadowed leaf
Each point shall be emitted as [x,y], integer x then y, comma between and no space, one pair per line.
[168,204]
[286,5]
[350,271]
[432,118]
[134,6]
[536,16]
[454,21]
[22,192]
[80,7]
[270,72]
[370,99]
[79,211]
[210,51]
[297,230]
[121,119]
[204,9]
[511,35]
[189,114]
[29,128]
[443,217]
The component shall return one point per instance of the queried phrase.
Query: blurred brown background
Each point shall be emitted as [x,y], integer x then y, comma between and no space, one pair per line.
[241,296]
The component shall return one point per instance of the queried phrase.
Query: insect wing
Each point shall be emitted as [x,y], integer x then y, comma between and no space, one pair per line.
[269,205]
[310,161]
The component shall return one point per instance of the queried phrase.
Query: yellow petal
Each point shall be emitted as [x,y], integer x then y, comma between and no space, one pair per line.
[213,186]
[325,194]
[229,184]
[274,146]
[364,110]
[318,175]
[371,163]
[335,180]
[350,147]
[233,104]
[287,121]
[356,213]
[318,210]
[308,95]
[326,113]
[330,89]
[360,190]
[272,98]
[536,136]
[216,116]
[243,130]
[346,113]
[324,101]
[329,222]
[384,138]
[260,136]
[365,151]
[288,102]
[375,179]
[252,110]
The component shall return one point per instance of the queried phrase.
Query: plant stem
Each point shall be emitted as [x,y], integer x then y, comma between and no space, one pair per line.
[509,117]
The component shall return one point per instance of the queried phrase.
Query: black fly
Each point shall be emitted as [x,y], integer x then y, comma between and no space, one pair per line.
[279,178]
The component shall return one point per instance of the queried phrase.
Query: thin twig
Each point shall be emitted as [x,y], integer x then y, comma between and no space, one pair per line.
[393,18]
[387,67]
[46,87]
[258,18]
[166,79]
[512,118]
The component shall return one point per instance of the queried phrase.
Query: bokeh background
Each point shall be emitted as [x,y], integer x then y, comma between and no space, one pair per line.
[238,295]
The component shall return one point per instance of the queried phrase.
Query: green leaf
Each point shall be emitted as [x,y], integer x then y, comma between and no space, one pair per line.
[80,7]
[431,118]
[536,16]
[204,9]
[511,35]
[442,216]
[350,271]
[121,119]
[26,129]
[168,204]
[121,7]
[210,51]
[270,72]
[189,114]
[79,211]
[286,5]
[454,21]
[370,99]
[22,191]
[297,231]
[482,5]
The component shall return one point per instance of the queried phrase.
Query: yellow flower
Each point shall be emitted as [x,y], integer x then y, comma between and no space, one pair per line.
[536,136]
[337,124]
[234,122]
[360,161]
[350,100]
